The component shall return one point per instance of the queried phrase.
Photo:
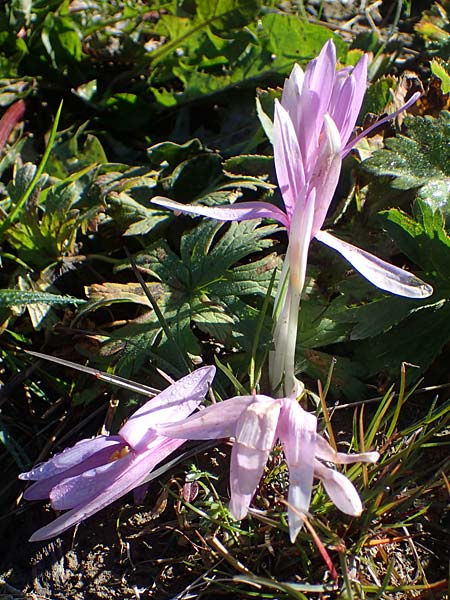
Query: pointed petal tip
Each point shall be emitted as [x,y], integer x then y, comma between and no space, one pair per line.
[296,524]
[370,457]
[383,275]
[332,133]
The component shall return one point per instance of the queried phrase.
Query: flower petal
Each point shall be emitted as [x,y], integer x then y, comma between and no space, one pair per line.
[340,489]
[255,436]
[297,433]
[134,468]
[382,274]
[346,102]
[288,159]
[174,403]
[382,121]
[326,452]
[292,91]
[71,457]
[257,425]
[244,211]
[246,469]
[326,172]
[41,488]
[214,422]
[73,491]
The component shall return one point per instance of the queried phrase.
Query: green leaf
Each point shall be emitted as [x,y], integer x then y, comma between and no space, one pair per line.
[424,240]
[420,162]
[223,15]
[378,96]
[18,297]
[440,69]
[266,49]
[62,40]
[203,290]
[418,340]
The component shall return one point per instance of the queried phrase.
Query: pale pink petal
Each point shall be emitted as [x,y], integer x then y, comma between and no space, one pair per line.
[291,93]
[382,121]
[326,172]
[71,457]
[320,75]
[135,469]
[318,85]
[382,274]
[214,422]
[72,491]
[326,452]
[340,489]
[322,70]
[310,128]
[246,469]
[255,436]
[299,241]
[244,211]
[346,105]
[288,160]
[41,489]
[174,403]
[297,433]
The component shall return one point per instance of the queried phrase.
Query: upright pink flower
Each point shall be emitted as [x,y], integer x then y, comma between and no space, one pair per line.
[256,423]
[311,131]
[312,126]
[95,472]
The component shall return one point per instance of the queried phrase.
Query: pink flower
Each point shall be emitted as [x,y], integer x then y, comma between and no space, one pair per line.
[311,129]
[95,472]
[256,422]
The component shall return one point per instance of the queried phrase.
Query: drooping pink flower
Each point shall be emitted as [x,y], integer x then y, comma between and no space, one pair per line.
[311,131]
[95,472]
[256,423]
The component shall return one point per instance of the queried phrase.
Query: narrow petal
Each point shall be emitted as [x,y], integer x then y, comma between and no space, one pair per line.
[346,105]
[326,452]
[299,240]
[382,274]
[257,425]
[318,84]
[382,121]
[244,211]
[320,73]
[41,488]
[246,469]
[79,489]
[292,91]
[71,457]
[340,489]
[135,469]
[214,422]
[297,433]
[255,436]
[288,159]
[321,70]
[174,403]
[326,172]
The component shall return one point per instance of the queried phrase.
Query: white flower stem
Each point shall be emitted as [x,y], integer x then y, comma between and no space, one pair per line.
[282,359]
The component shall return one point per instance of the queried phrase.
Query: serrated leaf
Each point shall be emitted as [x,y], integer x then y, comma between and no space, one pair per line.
[424,240]
[419,162]
[441,70]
